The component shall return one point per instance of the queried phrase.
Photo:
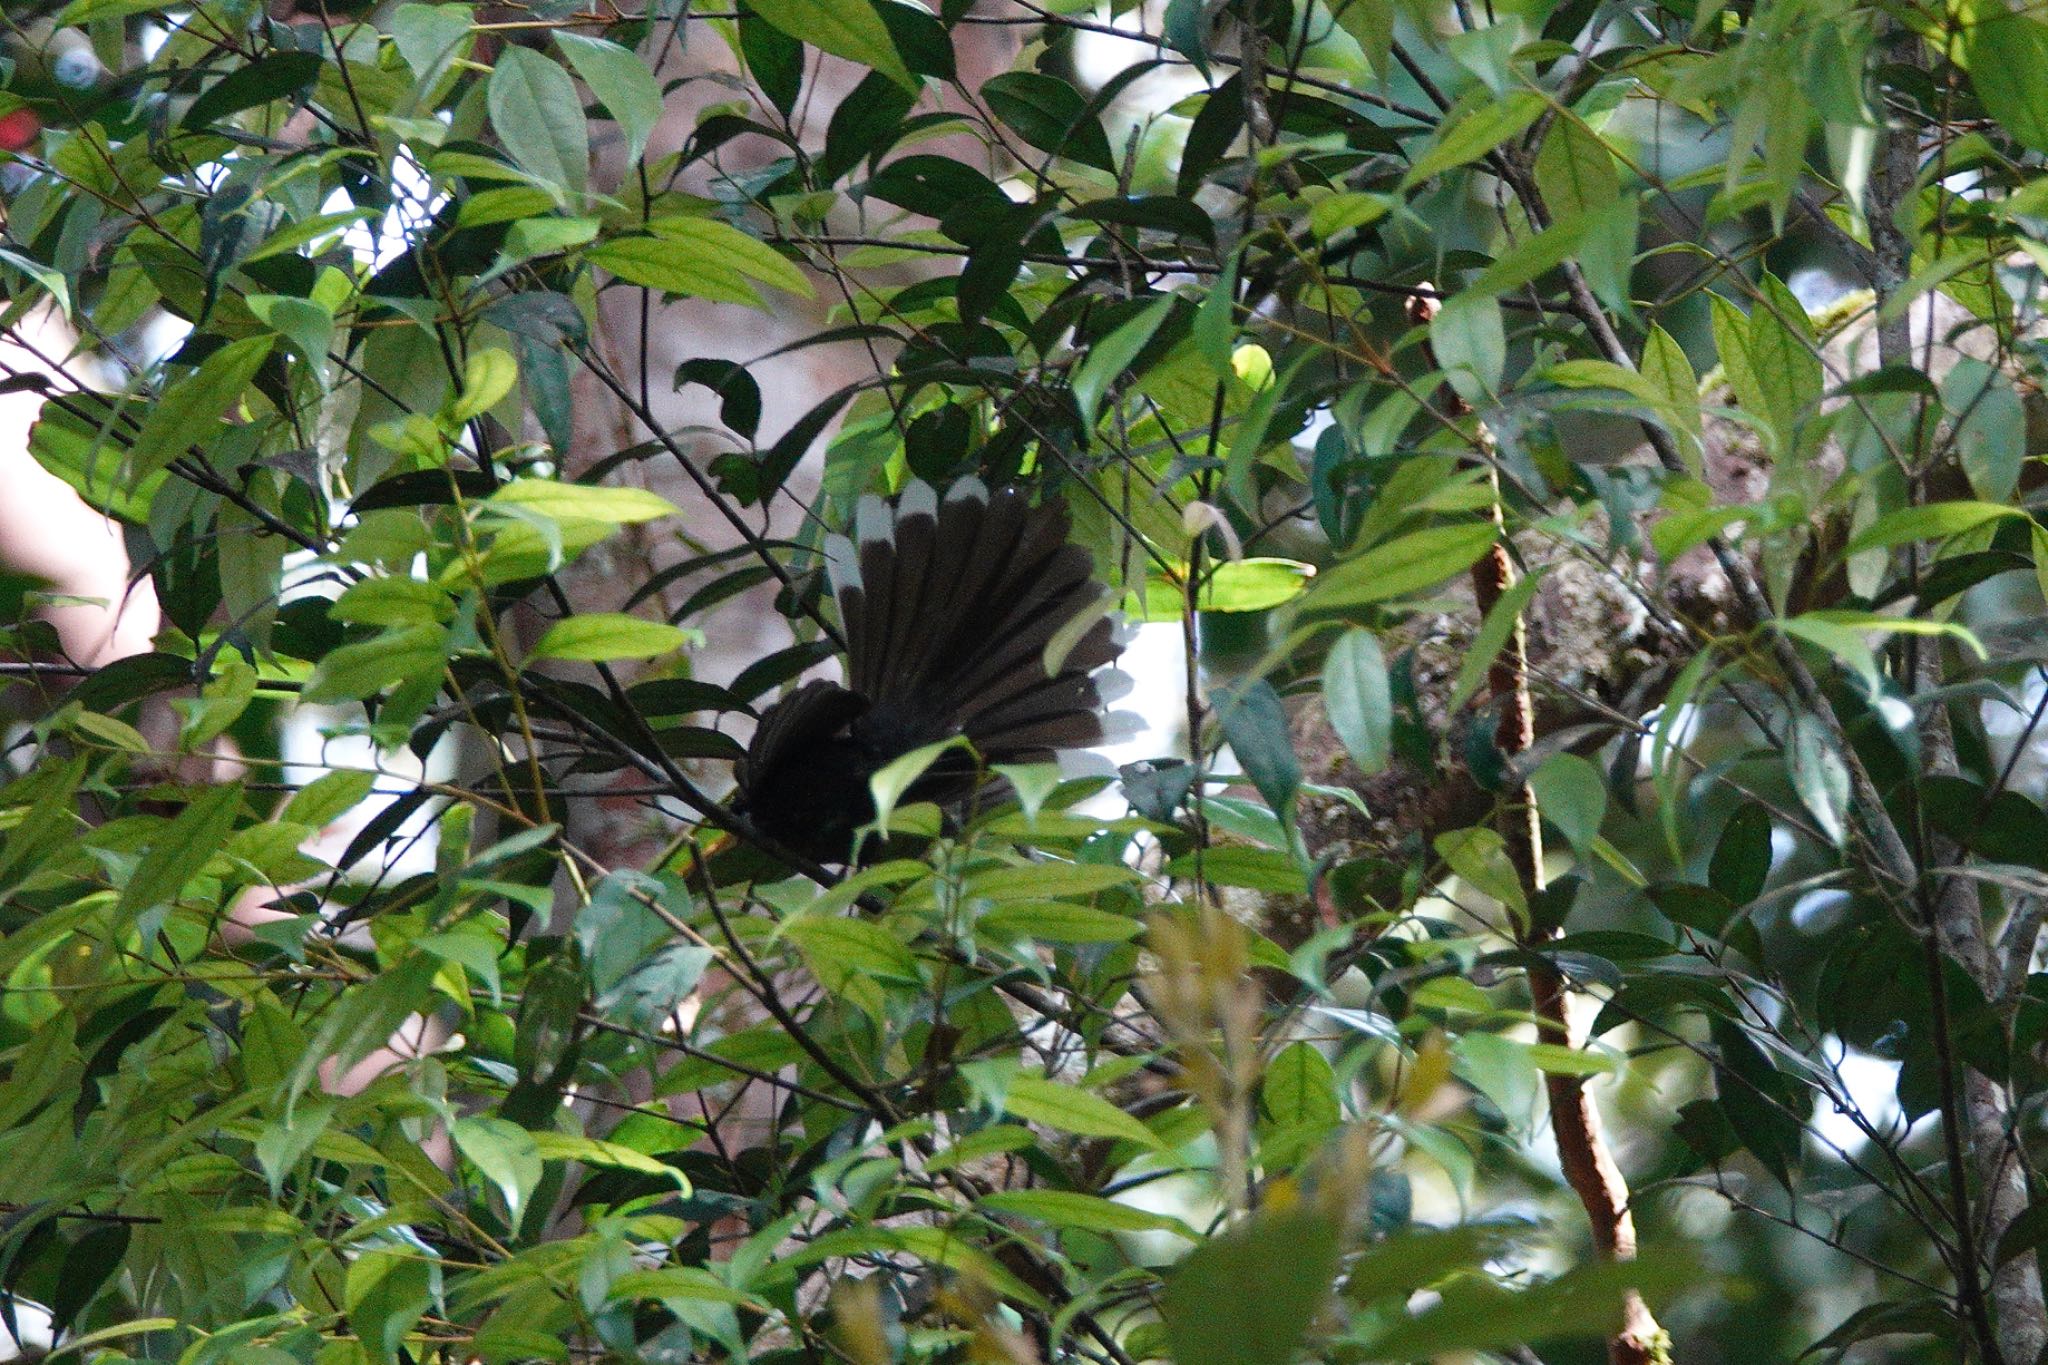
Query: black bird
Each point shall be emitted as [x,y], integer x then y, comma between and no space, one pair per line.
[947,609]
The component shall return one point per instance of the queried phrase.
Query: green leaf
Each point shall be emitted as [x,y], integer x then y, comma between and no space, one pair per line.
[1742,859]
[1571,795]
[268,78]
[1669,374]
[1479,856]
[656,986]
[1418,1259]
[1493,636]
[1057,922]
[1476,1314]
[487,376]
[83,1344]
[600,637]
[896,777]
[845,28]
[1842,634]
[1250,1296]
[1575,171]
[1478,124]
[1300,1089]
[88,11]
[1343,212]
[621,82]
[1252,429]
[1922,1316]
[360,670]
[1731,341]
[77,451]
[709,266]
[673,1283]
[1605,374]
[1255,725]
[1783,355]
[1371,23]
[1215,327]
[1256,584]
[1358,700]
[534,107]
[392,602]
[1036,1099]
[189,412]
[1051,115]
[1421,559]
[1929,521]
[1089,1212]
[181,848]
[940,1246]
[1991,426]
[2028,1232]
[384,1296]
[221,703]
[1471,345]
[430,38]
[363,1018]
[611,1155]
[1109,359]
[1038,881]
[1257,869]
[1769,359]
[1820,777]
[707,238]
[328,797]
[838,949]
[2006,52]
[504,1154]
[615,505]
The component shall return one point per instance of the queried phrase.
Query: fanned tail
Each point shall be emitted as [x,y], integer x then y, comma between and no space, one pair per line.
[949,608]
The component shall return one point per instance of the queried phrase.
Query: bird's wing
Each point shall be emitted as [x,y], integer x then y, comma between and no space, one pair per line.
[804,719]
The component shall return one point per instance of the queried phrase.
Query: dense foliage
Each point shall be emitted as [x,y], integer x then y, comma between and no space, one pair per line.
[1584,448]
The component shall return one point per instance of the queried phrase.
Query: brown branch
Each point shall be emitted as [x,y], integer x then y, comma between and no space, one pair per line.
[1582,1151]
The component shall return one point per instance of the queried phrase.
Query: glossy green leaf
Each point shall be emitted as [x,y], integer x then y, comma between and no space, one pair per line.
[1410,563]
[600,637]
[845,28]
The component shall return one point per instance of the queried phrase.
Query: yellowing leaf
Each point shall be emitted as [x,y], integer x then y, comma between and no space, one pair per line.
[582,502]
[597,637]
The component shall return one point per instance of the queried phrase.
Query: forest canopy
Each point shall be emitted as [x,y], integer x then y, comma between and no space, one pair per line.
[1561,475]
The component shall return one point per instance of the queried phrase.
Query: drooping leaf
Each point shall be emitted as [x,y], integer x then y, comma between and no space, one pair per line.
[534,107]
[1358,699]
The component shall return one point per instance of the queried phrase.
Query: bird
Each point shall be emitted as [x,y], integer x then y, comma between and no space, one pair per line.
[947,608]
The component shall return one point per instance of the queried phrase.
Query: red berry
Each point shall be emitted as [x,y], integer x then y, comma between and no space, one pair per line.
[18,129]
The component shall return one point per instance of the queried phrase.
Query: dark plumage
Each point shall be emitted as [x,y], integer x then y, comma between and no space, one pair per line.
[947,609]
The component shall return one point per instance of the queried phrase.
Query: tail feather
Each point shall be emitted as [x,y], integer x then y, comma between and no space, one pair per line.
[1017,619]
[948,607]
[1019,671]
